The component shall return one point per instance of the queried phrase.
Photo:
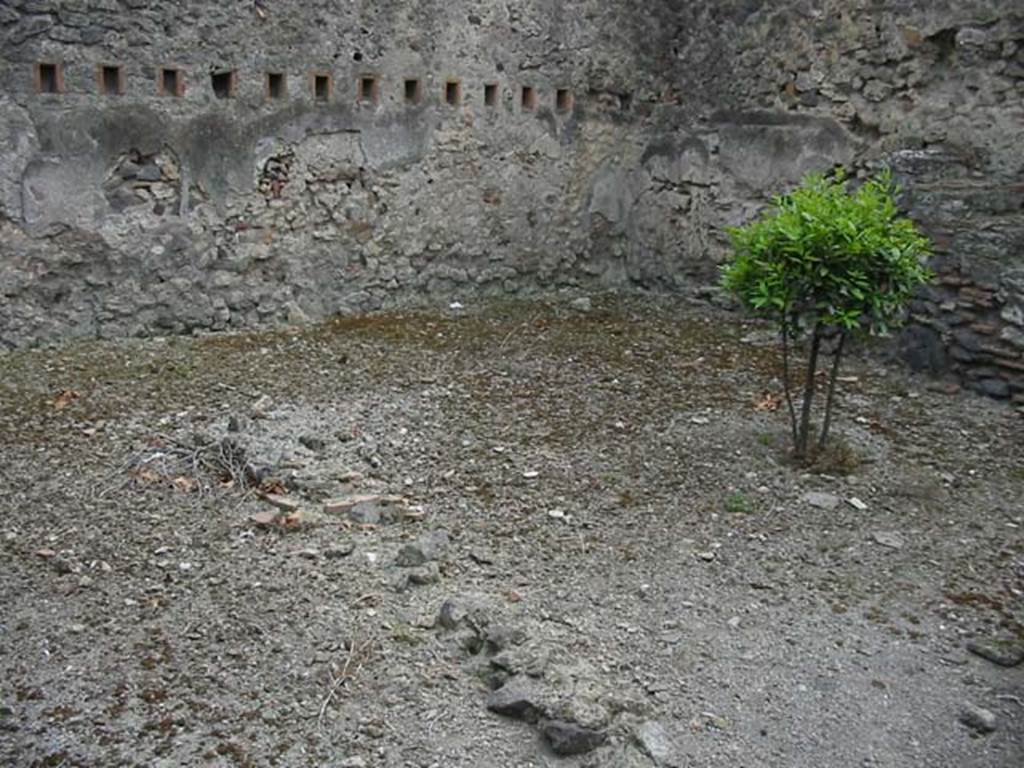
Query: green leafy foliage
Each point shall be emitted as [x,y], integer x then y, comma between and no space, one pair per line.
[831,262]
[827,256]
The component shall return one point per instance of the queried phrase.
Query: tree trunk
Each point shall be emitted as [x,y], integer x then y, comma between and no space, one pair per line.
[805,409]
[786,386]
[838,356]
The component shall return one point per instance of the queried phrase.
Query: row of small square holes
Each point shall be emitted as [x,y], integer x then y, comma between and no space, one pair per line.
[49,78]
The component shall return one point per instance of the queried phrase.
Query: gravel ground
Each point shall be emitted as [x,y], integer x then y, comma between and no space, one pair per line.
[581,517]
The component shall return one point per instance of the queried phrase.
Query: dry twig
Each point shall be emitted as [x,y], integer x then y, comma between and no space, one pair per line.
[358,655]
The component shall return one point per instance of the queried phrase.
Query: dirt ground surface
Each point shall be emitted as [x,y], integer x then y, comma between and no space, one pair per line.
[529,534]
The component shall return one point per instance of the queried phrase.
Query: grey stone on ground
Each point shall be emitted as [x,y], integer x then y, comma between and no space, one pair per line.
[427,574]
[425,549]
[473,611]
[340,550]
[531,659]
[1005,653]
[366,509]
[887,539]
[313,443]
[502,636]
[571,739]
[826,501]
[469,640]
[978,718]
[656,742]
[451,615]
[519,698]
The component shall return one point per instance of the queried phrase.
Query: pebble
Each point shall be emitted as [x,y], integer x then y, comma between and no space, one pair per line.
[857,504]
[655,742]
[366,509]
[826,501]
[978,718]
[428,574]
[887,539]
[501,637]
[451,614]
[425,549]
[313,443]
[263,519]
[352,762]
[340,550]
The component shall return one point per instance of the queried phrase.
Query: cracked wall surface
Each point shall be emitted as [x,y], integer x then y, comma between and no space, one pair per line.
[137,211]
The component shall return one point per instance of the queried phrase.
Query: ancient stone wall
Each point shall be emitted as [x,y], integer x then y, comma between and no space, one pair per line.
[205,165]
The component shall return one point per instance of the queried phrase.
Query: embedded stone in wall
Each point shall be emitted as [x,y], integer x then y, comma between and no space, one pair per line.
[152,180]
[276,173]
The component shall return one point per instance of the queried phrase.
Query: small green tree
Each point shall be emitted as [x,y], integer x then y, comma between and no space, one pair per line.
[827,262]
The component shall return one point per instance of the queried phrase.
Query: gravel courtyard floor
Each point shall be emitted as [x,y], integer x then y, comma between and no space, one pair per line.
[356,544]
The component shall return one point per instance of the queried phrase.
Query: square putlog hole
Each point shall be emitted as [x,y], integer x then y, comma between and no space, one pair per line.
[171,82]
[452,93]
[49,78]
[491,95]
[529,98]
[223,84]
[563,100]
[413,91]
[369,89]
[277,87]
[111,79]
[322,87]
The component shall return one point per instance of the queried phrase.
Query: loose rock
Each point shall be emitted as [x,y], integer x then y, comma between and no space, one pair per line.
[519,698]
[655,741]
[887,539]
[826,501]
[570,739]
[340,550]
[1005,653]
[978,718]
[366,509]
[428,574]
[425,549]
